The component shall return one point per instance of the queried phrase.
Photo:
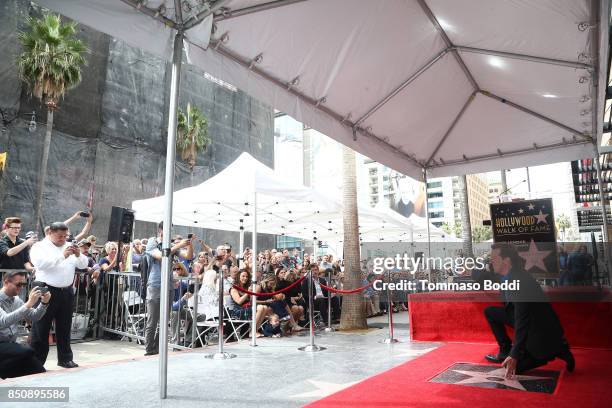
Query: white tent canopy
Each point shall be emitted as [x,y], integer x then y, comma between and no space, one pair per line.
[282,208]
[426,87]
[450,86]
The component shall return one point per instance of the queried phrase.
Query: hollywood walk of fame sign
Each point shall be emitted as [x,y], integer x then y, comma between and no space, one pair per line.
[488,376]
[530,225]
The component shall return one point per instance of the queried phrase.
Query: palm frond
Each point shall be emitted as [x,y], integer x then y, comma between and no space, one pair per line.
[192,133]
[52,56]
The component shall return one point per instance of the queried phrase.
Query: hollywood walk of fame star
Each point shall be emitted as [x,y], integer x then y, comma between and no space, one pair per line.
[323,389]
[531,206]
[521,210]
[541,217]
[534,257]
[414,353]
[498,377]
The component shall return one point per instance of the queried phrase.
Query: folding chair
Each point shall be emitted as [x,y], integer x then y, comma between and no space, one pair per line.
[235,324]
[204,328]
[135,313]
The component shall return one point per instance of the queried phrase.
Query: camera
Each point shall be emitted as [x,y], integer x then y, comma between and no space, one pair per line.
[189,236]
[41,286]
[84,214]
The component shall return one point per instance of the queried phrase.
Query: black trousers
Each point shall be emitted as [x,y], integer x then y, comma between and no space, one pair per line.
[320,304]
[60,310]
[498,319]
[17,360]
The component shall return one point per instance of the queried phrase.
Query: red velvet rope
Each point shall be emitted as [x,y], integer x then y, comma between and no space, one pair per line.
[348,292]
[269,293]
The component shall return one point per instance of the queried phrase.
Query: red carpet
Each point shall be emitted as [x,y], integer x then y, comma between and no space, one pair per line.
[590,385]
[452,316]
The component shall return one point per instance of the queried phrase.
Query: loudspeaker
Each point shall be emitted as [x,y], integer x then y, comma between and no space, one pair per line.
[121,225]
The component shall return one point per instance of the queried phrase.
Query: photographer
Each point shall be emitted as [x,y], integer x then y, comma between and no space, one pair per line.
[55,261]
[14,251]
[17,360]
[154,255]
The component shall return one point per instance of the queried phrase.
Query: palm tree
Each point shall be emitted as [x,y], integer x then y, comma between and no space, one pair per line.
[563,223]
[192,129]
[466,223]
[482,233]
[50,64]
[353,310]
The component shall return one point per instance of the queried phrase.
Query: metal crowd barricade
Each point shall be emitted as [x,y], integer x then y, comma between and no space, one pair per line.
[122,305]
[123,309]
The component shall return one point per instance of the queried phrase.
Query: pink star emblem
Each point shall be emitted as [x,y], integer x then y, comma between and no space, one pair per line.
[541,217]
[534,257]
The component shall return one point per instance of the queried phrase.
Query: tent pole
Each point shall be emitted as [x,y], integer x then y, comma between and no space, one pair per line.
[604,211]
[537,115]
[427,219]
[531,58]
[254,275]
[167,231]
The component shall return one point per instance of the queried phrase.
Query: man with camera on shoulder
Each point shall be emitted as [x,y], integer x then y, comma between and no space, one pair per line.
[55,261]
[17,360]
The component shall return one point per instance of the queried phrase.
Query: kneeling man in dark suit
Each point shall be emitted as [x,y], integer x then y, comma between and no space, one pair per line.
[538,335]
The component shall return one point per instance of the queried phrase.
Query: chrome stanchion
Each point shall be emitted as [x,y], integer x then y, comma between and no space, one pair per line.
[220,355]
[194,323]
[254,277]
[390,339]
[329,328]
[312,346]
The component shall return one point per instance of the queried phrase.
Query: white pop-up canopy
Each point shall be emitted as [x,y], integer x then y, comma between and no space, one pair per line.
[454,87]
[426,87]
[283,208]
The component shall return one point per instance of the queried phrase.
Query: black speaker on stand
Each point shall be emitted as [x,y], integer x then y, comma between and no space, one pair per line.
[121,225]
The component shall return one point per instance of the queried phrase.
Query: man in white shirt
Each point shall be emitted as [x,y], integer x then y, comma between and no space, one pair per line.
[55,261]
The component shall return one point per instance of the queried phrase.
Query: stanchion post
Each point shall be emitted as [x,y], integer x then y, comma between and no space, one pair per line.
[427,220]
[254,276]
[390,339]
[220,355]
[312,346]
[241,241]
[196,297]
[329,327]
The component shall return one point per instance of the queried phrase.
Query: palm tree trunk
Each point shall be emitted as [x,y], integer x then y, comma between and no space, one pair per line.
[353,310]
[466,224]
[38,221]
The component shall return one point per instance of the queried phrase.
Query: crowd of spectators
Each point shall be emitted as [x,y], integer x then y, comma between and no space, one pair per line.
[197,270]
[195,264]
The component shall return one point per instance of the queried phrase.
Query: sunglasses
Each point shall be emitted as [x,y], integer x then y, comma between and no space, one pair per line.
[176,269]
[21,284]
